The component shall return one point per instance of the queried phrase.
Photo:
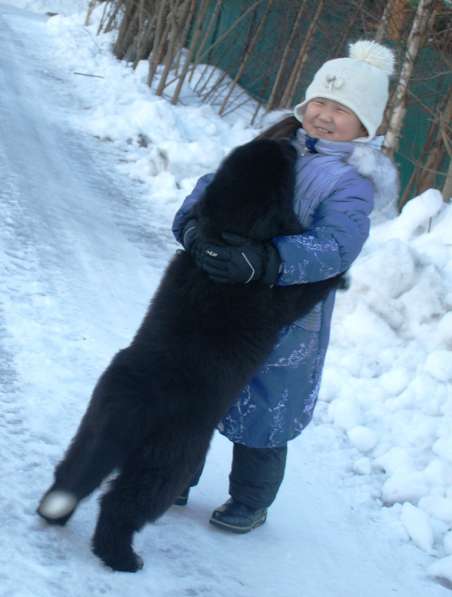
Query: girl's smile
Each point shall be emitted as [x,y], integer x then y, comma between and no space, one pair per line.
[327,119]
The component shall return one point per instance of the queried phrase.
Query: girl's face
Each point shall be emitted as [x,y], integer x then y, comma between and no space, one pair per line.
[327,119]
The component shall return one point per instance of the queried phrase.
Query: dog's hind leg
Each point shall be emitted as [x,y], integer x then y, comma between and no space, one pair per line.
[109,426]
[147,486]
[90,458]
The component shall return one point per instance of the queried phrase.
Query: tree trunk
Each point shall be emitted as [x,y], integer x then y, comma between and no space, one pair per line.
[383,26]
[393,21]
[111,22]
[345,36]
[197,30]
[445,128]
[272,102]
[91,5]
[178,14]
[127,23]
[207,33]
[161,30]
[447,188]
[439,147]
[287,98]
[245,58]
[420,22]
[435,148]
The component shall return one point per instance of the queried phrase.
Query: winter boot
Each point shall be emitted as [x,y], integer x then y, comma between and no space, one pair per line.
[237,517]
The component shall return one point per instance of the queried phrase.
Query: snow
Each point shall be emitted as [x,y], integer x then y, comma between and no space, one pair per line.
[363,438]
[366,506]
[439,365]
[417,524]
[442,569]
[448,542]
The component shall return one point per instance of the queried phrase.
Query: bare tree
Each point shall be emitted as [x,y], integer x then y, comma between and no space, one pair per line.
[195,39]
[420,22]
[236,66]
[91,6]
[447,188]
[246,56]
[283,65]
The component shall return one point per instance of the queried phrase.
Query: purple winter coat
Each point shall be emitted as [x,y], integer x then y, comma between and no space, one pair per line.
[333,202]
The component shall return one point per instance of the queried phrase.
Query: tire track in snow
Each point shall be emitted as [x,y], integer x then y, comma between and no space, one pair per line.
[65,304]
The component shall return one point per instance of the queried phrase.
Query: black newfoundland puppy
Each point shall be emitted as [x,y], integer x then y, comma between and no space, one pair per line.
[154,410]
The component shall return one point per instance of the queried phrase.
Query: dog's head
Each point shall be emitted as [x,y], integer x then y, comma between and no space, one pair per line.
[252,193]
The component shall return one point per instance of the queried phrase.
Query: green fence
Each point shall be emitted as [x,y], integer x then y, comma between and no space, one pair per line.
[337,26]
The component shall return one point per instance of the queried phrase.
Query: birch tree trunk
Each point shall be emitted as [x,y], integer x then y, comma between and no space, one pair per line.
[383,26]
[420,22]
[441,146]
[446,135]
[393,20]
[447,188]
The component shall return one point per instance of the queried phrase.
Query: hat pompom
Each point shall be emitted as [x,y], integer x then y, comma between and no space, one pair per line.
[373,53]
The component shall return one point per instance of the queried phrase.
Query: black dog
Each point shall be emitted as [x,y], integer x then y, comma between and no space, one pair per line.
[154,409]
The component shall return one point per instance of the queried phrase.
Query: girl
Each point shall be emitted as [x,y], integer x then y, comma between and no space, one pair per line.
[339,171]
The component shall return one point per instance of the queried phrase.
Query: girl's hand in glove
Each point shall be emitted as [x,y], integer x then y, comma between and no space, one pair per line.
[240,261]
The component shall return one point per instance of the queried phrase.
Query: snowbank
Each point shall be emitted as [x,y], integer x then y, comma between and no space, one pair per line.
[388,378]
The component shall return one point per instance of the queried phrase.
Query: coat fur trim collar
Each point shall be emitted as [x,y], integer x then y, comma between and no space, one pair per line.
[369,161]
[376,166]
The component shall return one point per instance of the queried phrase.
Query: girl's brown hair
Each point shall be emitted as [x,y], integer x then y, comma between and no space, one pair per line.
[284,129]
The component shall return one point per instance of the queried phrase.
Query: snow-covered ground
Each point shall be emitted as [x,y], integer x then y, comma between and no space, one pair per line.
[92,171]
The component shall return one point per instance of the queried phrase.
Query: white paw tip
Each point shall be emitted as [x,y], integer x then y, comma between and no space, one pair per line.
[57,504]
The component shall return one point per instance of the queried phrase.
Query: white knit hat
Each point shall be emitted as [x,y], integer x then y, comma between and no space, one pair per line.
[360,82]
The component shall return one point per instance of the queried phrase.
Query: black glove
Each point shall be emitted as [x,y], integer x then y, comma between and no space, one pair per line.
[190,235]
[240,261]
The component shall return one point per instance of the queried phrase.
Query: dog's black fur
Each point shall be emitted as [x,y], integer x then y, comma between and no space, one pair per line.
[154,409]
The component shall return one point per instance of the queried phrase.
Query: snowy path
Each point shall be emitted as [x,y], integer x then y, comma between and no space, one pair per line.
[81,252]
